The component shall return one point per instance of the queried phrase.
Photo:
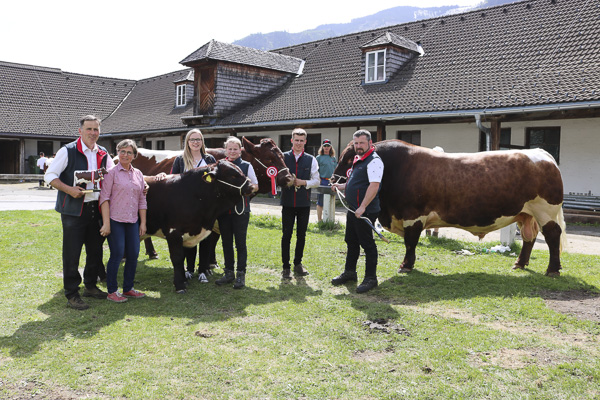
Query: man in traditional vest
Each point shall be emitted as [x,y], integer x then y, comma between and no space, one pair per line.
[80,214]
[362,194]
[296,202]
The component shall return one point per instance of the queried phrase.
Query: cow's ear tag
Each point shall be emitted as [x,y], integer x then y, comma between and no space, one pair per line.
[207,177]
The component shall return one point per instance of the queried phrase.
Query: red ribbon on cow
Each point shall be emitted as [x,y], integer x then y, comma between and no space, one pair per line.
[272,173]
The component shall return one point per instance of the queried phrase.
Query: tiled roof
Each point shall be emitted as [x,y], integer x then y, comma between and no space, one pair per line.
[220,51]
[48,101]
[150,106]
[529,53]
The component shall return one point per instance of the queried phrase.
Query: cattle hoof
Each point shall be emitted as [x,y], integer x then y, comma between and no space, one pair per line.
[153,256]
[553,274]
[213,266]
[404,270]
[202,278]
[517,266]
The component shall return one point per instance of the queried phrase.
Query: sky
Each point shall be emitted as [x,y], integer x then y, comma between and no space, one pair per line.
[135,40]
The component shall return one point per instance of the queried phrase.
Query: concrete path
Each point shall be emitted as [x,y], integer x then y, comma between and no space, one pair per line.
[27,196]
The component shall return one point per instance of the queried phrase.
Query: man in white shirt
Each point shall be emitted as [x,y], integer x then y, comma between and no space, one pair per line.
[296,202]
[41,164]
[362,194]
[80,213]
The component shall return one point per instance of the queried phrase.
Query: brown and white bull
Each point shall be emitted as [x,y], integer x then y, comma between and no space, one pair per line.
[477,192]
[183,208]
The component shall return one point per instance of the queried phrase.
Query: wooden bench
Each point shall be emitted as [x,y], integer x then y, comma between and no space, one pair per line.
[581,208]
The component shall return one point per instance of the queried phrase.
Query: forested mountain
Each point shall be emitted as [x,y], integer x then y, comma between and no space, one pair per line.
[391,16]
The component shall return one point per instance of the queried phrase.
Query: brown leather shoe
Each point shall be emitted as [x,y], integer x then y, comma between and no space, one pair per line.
[286,274]
[300,270]
[76,303]
[94,292]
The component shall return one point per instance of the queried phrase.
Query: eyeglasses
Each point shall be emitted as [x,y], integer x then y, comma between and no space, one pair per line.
[195,140]
[125,153]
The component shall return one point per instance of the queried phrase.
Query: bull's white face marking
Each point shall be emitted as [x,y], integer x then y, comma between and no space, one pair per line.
[160,155]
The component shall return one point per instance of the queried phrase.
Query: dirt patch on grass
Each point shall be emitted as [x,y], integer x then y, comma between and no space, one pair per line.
[581,339]
[578,303]
[517,358]
[39,391]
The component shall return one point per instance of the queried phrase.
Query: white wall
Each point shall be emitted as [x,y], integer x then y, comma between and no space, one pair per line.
[579,146]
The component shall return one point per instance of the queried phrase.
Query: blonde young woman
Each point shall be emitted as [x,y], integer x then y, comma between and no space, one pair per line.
[233,224]
[194,156]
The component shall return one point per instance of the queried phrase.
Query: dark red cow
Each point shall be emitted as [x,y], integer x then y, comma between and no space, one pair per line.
[478,192]
[183,209]
[261,156]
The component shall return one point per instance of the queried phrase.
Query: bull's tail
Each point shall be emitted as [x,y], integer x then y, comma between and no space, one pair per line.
[563,228]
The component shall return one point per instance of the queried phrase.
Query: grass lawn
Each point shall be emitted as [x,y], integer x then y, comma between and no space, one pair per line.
[458,327]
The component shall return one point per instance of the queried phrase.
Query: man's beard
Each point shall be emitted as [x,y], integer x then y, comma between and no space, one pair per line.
[360,152]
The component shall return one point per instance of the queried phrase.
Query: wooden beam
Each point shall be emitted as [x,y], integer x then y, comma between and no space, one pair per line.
[495,145]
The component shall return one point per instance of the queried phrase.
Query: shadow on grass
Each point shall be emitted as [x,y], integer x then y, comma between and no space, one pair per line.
[203,303]
[422,287]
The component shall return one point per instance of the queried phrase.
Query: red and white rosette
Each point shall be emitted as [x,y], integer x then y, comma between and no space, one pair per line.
[272,173]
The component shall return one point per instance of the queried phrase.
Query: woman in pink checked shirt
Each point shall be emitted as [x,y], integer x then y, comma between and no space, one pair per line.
[122,199]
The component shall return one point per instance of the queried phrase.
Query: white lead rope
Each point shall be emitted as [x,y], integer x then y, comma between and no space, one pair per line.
[367,220]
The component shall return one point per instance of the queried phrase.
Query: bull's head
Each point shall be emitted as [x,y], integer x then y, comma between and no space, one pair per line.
[230,176]
[265,155]
[344,164]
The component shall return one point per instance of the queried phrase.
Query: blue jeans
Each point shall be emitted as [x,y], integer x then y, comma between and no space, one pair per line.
[124,240]
[324,182]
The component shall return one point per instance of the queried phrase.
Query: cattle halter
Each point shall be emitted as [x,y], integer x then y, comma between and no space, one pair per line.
[265,167]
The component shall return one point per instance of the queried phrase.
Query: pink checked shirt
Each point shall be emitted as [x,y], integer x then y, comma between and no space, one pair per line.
[125,191]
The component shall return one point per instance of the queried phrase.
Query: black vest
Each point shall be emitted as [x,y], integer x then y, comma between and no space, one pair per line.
[357,185]
[290,197]
[77,161]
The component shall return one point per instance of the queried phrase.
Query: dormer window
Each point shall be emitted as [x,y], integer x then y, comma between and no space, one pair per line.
[180,97]
[375,68]
[385,55]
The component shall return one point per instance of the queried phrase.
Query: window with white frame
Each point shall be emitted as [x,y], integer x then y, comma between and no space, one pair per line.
[375,68]
[180,99]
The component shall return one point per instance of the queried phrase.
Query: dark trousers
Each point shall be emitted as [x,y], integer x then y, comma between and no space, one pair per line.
[77,232]
[359,234]
[233,226]
[289,215]
[124,240]
[205,250]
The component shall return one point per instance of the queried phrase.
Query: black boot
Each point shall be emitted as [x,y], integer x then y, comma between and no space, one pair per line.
[240,280]
[228,277]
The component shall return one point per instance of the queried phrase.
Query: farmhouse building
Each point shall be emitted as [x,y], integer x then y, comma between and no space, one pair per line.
[514,76]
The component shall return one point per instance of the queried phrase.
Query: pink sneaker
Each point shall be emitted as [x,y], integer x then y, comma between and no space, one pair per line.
[134,293]
[116,297]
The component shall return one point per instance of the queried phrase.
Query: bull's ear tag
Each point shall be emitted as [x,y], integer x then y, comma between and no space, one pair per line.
[207,177]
